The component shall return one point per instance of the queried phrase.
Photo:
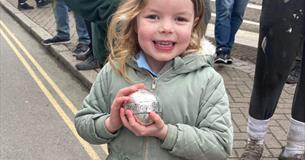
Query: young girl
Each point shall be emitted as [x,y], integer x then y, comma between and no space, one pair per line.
[155,44]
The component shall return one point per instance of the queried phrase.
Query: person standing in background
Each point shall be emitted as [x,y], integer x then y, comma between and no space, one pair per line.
[88,59]
[98,12]
[63,29]
[281,36]
[23,5]
[207,14]
[229,16]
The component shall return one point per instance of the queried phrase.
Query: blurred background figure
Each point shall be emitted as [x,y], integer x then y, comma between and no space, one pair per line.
[63,30]
[229,16]
[98,12]
[207,13]
[88,58]
[23,5]
[281,36]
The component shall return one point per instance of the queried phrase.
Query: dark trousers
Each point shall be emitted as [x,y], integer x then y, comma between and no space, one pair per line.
[282,27]
[207,14]
[88,26]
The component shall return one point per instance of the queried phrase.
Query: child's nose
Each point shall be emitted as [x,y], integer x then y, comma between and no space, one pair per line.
[166,27]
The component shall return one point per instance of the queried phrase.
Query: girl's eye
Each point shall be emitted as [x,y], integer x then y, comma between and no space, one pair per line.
[153,17]
[181,19]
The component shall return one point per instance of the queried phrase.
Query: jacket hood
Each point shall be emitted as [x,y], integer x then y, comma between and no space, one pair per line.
[191,62]
[207,47]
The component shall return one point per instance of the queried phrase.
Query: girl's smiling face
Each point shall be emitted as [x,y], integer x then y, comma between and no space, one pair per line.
[164,29]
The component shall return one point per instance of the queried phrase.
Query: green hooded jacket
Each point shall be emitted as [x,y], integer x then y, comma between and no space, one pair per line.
[99,13]
[194,105]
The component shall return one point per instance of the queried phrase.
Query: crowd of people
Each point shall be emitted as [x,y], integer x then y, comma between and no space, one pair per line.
[156,44]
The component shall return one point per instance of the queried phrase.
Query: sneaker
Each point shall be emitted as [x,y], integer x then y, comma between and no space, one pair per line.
[81,49]
[83,56]
[223,58]
[55,40]
[24,6]
[42,3]
[295,157]
[88,64]
[253,151]
[294,74]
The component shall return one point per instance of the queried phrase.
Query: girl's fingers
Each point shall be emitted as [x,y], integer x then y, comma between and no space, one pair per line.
[128,90]
[123,118]
[131,119]
[157,119]
[119,101]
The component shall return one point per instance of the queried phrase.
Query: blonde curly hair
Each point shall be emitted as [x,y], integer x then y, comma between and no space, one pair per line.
[122,37]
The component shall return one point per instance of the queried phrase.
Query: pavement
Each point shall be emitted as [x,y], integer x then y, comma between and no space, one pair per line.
[238,77]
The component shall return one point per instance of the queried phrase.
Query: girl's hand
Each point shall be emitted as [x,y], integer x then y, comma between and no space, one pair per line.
[157,129]
[113,123]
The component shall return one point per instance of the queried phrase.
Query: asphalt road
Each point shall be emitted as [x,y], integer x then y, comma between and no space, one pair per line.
[38,100]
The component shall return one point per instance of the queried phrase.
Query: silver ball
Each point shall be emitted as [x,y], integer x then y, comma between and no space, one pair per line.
[141,103]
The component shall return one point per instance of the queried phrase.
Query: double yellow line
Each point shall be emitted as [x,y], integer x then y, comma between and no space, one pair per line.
[91,152]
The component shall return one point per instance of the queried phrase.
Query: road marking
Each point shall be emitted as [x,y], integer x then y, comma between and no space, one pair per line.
[60,93]
[93,155]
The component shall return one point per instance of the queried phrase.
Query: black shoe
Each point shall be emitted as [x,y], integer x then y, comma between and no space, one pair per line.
[42,3]
[223,59]
[88,64]
[82,51]
[294,74]
[223,56]
[24,6]
[55,40]
[83,56]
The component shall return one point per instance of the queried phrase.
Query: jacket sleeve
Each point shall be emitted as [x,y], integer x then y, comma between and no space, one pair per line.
[94,10]
[212,137]
[90,120]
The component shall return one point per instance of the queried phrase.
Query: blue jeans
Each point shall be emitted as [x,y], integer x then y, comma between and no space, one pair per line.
[62,23]
[229,16]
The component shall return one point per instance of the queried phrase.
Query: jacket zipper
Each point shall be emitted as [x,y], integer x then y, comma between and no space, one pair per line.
[153,87]
[145,149]
[154,83]
[155,79]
